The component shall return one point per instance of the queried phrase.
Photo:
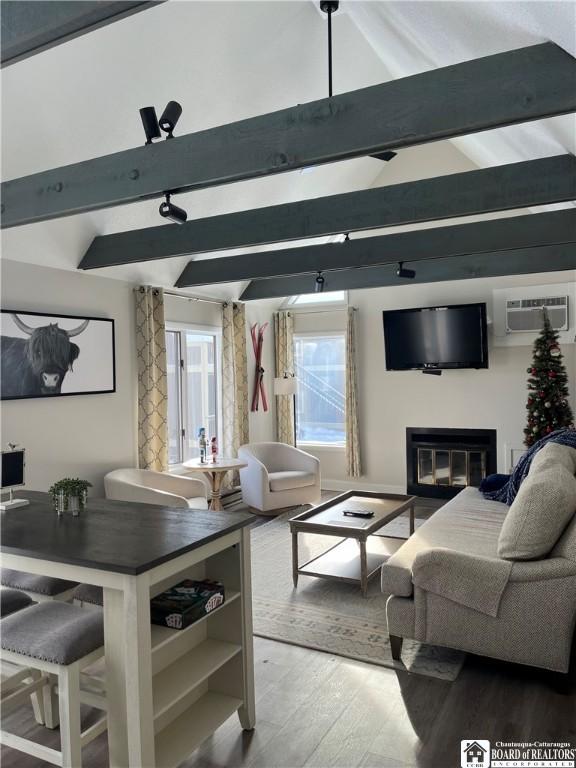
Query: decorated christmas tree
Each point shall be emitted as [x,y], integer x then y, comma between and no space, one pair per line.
[548,407]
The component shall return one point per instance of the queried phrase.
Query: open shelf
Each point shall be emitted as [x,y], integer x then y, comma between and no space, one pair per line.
[176,681]
[169,644]
[175,742]
[342,561]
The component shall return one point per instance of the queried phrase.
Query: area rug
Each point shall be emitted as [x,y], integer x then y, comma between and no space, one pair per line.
[328,615]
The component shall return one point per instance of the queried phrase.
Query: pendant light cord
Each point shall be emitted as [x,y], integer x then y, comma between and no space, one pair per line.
[330,52]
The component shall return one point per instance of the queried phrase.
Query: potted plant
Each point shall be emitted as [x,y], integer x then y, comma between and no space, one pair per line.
[70,494]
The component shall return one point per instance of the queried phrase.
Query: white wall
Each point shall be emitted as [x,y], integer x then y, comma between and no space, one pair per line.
[80,435]
[390,401]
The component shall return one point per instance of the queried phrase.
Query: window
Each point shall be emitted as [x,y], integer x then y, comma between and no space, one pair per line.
[330,297]
[320,367]
[193,400]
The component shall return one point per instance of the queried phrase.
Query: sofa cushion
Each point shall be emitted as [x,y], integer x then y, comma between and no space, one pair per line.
[285,481]
[467,523]
[197,503]
[552,455]
[543,507]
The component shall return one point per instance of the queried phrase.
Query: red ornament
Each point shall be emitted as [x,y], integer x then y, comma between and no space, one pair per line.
[552,374]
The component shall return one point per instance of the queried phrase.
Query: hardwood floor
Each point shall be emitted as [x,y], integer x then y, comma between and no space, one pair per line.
[314,709]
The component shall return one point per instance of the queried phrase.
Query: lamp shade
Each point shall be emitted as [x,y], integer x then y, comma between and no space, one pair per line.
[285,385]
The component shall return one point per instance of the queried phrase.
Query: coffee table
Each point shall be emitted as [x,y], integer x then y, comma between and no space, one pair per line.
[359,557]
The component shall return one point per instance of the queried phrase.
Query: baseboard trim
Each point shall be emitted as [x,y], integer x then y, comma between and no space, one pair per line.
[359,485]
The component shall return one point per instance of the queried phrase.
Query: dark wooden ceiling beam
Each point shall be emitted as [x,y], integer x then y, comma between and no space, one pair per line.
[517,185]
[495,91]
[479,237]
[524,261]
[32,26]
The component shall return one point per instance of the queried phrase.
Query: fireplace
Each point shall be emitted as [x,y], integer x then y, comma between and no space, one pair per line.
[440,462]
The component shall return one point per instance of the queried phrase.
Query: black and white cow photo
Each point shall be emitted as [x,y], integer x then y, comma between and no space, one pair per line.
[47,355]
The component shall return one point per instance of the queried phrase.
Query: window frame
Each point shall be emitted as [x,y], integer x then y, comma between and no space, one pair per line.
[336,447]
[205,330]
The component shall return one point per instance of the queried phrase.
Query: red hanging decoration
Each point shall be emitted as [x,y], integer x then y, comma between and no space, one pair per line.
[259,389]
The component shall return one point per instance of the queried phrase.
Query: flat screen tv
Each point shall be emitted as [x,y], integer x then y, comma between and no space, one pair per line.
[436,338]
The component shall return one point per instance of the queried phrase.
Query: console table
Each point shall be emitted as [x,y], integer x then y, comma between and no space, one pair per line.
[167,689]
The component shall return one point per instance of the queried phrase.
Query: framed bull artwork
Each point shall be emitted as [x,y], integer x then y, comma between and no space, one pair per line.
[54,355]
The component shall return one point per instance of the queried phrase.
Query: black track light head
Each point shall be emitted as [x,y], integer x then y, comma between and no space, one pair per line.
[150,123]
[409,274]
[385,156]
[172,212]
[170,117]
[329,6]
[319,283]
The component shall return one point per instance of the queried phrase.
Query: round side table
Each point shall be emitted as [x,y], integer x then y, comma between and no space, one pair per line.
[215,472]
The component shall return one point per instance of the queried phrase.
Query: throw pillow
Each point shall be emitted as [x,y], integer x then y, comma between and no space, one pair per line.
[554,454]
[543,507]
[493,483]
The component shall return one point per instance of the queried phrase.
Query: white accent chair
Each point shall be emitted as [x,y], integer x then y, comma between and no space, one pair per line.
[278,476]
[160,488]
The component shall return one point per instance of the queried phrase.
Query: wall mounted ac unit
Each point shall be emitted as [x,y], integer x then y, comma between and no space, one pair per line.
[524,315]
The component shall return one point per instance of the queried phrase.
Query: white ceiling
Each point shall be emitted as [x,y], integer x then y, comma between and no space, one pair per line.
[224,61]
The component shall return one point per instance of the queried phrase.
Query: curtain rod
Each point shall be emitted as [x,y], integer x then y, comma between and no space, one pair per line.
[189,298]
[194,298]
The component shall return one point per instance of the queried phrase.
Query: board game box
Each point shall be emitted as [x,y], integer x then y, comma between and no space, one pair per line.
[186,602]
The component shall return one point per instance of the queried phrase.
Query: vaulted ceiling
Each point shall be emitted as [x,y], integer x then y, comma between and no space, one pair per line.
[225,61]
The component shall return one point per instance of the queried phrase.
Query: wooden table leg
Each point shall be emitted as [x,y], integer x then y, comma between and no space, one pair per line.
[247,712]
[115,677]
[411,519]
[216,493]
[363,569]
[295,558]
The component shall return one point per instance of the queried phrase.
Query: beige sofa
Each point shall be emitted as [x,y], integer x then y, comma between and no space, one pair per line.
[471,581]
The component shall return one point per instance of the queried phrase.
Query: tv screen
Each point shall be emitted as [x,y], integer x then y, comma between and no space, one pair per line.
[432,338]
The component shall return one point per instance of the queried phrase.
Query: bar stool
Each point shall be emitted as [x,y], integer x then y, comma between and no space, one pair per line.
[56,639]
[88,594]
[39,588]
[12,600]
[17,683]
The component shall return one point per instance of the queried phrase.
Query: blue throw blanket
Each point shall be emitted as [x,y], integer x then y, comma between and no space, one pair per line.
[507,494]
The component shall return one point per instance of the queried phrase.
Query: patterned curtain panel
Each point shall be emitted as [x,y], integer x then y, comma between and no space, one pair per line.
[353,463]
[234,383]
[284,348]
[152,389]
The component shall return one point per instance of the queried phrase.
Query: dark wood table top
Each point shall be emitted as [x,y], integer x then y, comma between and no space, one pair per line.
[119,536]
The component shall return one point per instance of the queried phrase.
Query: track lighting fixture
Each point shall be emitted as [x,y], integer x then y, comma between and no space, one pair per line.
[167,122]
[170,211]
[150,123]
[170,117]
[410,274]
[319,283]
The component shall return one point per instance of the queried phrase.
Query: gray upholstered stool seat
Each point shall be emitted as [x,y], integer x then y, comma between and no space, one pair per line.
[11,600]
[88,593]
[41,585]
[56,632]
